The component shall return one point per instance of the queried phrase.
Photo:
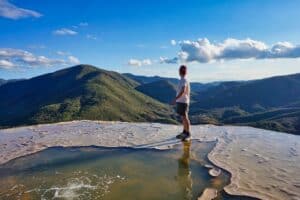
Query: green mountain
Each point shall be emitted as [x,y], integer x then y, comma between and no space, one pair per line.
[149,79]
[162,90]
[271,103]
[79,92]
[265,93]
[87,92]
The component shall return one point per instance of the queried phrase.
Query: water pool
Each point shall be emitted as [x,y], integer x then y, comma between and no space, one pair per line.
[112,173]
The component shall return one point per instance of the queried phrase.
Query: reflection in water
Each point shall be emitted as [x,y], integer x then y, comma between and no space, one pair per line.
[184,171]
[91,173]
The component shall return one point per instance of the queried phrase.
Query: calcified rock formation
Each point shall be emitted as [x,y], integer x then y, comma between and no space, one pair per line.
[263,164]
[208,194]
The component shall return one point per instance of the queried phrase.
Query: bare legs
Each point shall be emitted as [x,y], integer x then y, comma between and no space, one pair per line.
[186,123]
[185,135]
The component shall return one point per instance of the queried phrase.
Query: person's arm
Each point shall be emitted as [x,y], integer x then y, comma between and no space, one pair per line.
[182,91]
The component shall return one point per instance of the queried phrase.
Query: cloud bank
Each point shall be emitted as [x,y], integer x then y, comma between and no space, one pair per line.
[204,51]
[139,63]
[11,11]
[5,64]
[10,58]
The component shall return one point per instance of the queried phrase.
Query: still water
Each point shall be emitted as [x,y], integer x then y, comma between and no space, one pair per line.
[112,173]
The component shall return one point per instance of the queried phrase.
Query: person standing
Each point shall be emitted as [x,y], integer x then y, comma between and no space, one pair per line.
[182,102]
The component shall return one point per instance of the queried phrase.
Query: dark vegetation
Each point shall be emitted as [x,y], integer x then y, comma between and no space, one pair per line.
[87,92]
[272,103]
[80,92]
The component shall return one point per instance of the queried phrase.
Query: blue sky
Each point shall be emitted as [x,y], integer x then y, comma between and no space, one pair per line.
[218,40]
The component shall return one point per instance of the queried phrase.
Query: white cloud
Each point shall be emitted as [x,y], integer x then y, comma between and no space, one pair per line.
[64,31]
[73,60]
[168,60]
[173,42]
[203,51]
[91,37]
[62,53]
[139,63]
[147,62]
[134,62]
[41,61]
[11,11]
[17,57]
[4,64]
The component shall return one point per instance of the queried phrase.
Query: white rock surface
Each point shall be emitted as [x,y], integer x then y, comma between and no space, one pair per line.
[208,194]
[263,164]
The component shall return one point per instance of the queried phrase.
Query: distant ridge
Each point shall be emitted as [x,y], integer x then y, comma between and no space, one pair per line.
[162,90]
[196,86]
[270,92]
[270,103]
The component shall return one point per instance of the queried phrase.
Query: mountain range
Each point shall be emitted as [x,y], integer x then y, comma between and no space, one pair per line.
[87,92]
[80,92]
[270,103]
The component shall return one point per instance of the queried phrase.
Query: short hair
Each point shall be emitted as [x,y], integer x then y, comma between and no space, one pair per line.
[183,70]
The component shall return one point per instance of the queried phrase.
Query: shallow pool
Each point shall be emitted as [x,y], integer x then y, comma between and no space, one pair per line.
[112,173]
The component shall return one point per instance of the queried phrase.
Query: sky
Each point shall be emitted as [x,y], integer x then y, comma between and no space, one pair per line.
[218,40]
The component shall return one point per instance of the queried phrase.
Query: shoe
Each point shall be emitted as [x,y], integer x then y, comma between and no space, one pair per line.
[186,136]
[181,135]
